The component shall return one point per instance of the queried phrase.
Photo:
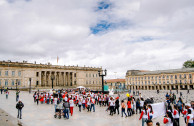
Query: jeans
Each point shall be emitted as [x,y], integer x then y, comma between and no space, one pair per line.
[20,113]
[111,110]
[89,108]
[47,101]
[143,121]
[151,117]
[6,96]
[55,107]
[190,124]
[123,111]
[17,98]
[92,106]
[117,108]
[80,107]
[83,105]
[66,113]
[129,111]
[138,107]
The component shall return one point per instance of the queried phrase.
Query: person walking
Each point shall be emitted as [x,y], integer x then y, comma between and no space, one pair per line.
[138,106]
[117,105]
[19,106]
[151,112]
[92,105]
[176,116]
[190,118]
[112,102]
[144,115]
[17,95]
[66,106]
[129,110]
[123,108]
[71,106]
[169,119]
[7,93]
[80,104]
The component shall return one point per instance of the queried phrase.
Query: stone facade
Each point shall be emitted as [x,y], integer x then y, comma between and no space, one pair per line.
[40,74]
[116,83]
[181,79]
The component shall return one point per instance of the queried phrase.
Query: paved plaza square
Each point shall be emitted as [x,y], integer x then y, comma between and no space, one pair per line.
[43,114]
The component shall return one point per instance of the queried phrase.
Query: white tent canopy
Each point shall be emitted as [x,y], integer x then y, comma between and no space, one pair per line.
[80,87]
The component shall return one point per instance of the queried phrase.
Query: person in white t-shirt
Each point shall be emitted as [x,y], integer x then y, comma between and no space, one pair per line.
[71,102]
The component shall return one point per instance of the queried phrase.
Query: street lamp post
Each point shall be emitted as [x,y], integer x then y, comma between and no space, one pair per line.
[30,85]
[102,75]
[52,78]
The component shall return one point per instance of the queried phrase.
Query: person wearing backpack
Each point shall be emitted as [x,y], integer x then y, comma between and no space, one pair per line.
[19,106]
[66,106]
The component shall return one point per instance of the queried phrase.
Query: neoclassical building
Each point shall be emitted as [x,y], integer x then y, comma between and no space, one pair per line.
[116,83]
[173,79]
[39,75]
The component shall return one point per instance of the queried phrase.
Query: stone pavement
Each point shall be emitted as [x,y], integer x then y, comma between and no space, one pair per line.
[8,120]
[43,114]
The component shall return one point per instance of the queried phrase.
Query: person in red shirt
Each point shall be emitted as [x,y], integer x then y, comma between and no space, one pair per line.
[169,119]
[129,110]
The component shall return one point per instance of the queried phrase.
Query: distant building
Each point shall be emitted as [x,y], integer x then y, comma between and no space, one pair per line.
[40,75]
[173,79]
[116,83]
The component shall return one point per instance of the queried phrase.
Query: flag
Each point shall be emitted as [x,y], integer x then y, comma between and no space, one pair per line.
[57,59]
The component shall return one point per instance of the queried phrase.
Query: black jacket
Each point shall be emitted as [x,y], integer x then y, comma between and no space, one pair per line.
[19,105]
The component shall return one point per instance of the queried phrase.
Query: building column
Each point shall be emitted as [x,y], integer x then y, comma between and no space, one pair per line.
[68,80]
[49,79]
[42,78]
[73,79]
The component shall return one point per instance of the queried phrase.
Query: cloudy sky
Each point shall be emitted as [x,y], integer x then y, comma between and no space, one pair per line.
[116,34]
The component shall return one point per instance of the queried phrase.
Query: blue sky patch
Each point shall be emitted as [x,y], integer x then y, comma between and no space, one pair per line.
[103,5]
[102,26]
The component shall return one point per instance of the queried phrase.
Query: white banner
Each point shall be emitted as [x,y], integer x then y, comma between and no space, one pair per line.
[159,109]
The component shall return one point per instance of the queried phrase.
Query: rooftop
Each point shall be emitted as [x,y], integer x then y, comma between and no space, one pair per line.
[25,64]
[170,71]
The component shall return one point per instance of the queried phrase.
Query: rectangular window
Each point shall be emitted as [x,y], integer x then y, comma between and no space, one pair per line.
[19,82]
[180,76]
[190,81]
[180,82]
[6,82]
[171,81]
[175,76]
[190,76]
[0,73]
[75,75]
[19,73]
[184,75]
[6,73]
[36,83]
[0,82]
[175,81]
[86,75]
[171,76]
[37,74]
[13,73]
[167,77]
[12,82]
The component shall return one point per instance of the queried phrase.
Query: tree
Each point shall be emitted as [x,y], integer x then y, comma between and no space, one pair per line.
[188,64]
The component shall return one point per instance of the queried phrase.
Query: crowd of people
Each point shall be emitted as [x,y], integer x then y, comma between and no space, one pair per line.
[64,101]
